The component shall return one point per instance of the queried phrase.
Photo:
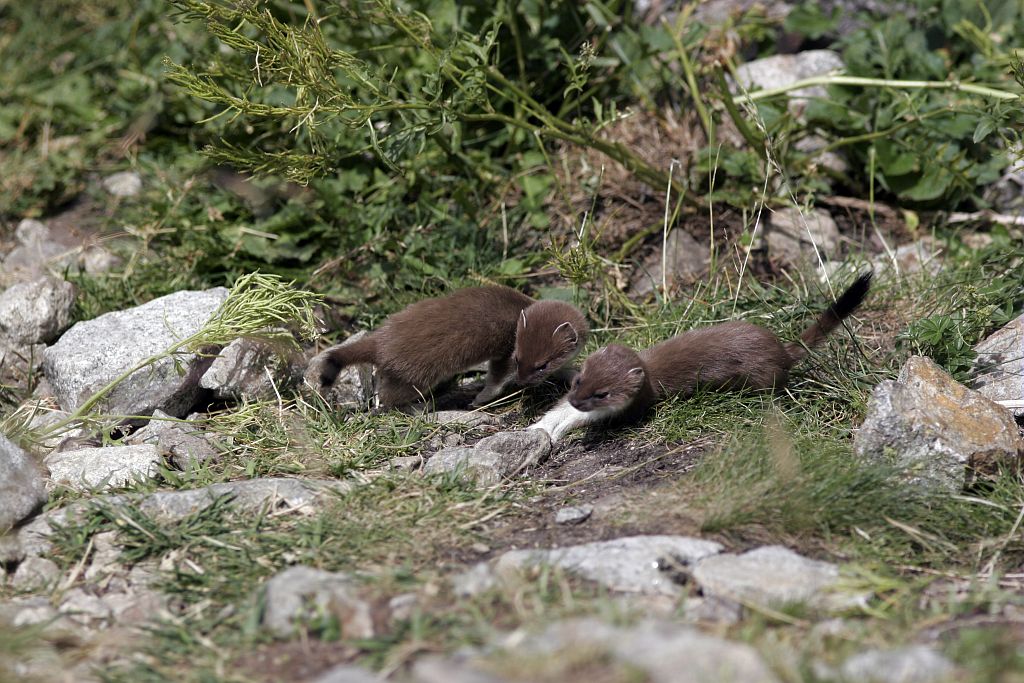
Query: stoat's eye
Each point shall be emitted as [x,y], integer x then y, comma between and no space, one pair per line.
[541,368]
[600,394]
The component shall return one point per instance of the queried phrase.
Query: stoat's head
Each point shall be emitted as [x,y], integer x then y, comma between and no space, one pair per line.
[610,379]
[549,335]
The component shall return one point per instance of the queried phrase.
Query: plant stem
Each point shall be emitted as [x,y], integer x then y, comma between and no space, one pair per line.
[838,79]
[706,121]
[754,140]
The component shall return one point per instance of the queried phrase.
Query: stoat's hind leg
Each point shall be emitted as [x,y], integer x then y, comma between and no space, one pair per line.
[393,391]
[498,377]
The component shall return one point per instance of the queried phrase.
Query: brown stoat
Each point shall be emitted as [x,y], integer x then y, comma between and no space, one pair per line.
[431,341]
[616,382]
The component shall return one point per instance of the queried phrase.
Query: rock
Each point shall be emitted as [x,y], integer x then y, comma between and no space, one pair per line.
[781,70]
[909,259]
[684,258]
[346,673]
[251,370]
[182,442]
[632,565]
[251,495]
[354,387]
[22,487]
[123,184]
[402,607]
[793,235]
[36,312]
[44,414]
[437,669]
[31,231]
[524,447]
[95,260]
[301,595]
[34,255]
[666,652]
[486,468]
[999,366]
[712,610]
[467,418]
[11,551]
[472,582]
[939,433]
[574,515]
[104,468]
[913,664]
[773,577]
[93,353]
[35,573]
[405,463]
[27,611]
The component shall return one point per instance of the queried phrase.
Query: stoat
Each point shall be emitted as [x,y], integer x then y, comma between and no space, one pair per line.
[616,382]
[430,341]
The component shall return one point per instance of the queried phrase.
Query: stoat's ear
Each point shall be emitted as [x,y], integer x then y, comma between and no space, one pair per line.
[639,372]
[522,317]
[572,330]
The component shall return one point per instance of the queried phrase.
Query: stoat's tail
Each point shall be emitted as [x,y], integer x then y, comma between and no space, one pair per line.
[336,358]
[846,304]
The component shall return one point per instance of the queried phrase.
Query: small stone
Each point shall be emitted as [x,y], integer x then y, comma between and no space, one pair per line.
[22,487]
[35,573]
[913,664]
[185,445]
[96,260]
[999,366]
[36,312]
[81,362]
[11,551]
[712,610]
[346,673]
[403,607]
[910,259]
[525,447]
[251,370]
[773,577]
[468,418]
[486,468]
[436,669]
[574,515]
[476,580]
[106,556]
[781,70]
[104,468]
[406,463]
[123,184]
[684,260]
[937,431]
[793,236]
[300,595]
[84,608]
[631,565]
[354,386]
[31,231]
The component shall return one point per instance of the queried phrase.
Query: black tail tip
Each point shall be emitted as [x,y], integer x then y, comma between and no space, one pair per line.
[854,295]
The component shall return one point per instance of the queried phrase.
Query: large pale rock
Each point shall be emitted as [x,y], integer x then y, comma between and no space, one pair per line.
[525,447]
[300,595]
[251,495]
[22,487]
[666,652]
[183,443]
[253,370]
[631,565]
[912,664]
[781,70]
[36,312]
[94,352]
[354,386]
[103,468]
[494,458]
[684,261]
[999,366]
[937,431]
[123,184]
[773,577]
[792,235]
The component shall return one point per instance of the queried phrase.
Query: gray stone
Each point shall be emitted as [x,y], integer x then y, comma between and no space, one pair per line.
[184,444]
[31,231]
[252,370]
[299,595]
[467,418]
[44,415]
[104,468]
[10,549]
[405,463]
[22,487]
[35,573]
[35,254]
[85,608]
[251,495]
[524,447]
[95,352]
[684,260]
[939,433]
[793,235]
[437,669]
[123,184]
[574,515]
[910,259]
[346,673]
[486,468]
[781,70]
[477,579]
[999,366]
[105,559]
[354,386]
[912,664]
[36,312]
[632,565]
[402,607]
[774,577]
[666,652]
[712,610]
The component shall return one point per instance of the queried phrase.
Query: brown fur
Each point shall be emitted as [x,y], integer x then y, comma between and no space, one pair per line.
[549,334]
[430,341]
[731,356]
